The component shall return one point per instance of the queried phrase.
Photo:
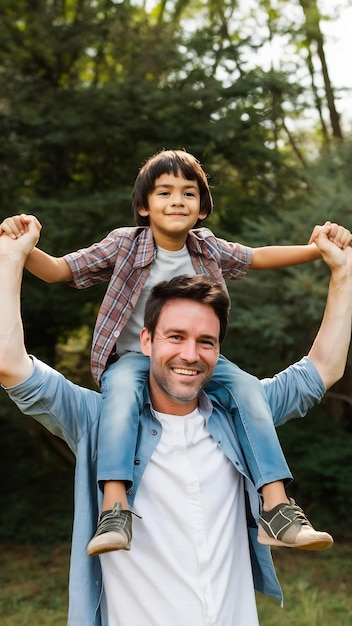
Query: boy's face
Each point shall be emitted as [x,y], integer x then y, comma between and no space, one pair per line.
[173,209]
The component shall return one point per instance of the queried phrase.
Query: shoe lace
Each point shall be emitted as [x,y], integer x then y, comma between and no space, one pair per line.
[300,515]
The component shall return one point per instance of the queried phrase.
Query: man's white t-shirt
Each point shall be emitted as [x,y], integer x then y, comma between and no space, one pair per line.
[189,563]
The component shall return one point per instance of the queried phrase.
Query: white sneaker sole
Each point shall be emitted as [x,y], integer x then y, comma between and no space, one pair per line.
[318,543]
[107,542]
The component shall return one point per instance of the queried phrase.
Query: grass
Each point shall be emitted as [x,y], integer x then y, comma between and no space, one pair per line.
[33,587]
[316,588]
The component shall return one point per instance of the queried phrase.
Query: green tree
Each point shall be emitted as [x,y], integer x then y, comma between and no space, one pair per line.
[274,318]
[89,91]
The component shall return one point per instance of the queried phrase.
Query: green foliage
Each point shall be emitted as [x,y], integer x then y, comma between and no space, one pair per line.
[37,486]
[276,313]
[274,318]
[318,450]
[88,92]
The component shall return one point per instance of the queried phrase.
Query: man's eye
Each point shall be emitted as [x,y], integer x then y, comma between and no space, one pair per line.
[208,343]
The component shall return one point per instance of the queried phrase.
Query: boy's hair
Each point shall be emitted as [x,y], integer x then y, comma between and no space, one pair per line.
[200,287]
[169,162]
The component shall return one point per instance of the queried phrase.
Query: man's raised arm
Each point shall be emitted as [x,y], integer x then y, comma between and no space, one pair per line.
[15,364]
[330,348]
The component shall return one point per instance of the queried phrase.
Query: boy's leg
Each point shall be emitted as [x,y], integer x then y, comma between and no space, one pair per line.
[114,491]
[122,389]
[244,397]
[273,494]
[281,522]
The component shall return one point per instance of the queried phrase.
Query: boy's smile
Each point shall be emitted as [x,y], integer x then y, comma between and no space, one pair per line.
[173,209]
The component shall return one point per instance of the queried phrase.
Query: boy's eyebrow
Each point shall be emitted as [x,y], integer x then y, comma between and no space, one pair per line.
[188,186]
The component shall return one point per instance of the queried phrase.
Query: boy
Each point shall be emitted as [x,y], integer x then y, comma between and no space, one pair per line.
[171,198]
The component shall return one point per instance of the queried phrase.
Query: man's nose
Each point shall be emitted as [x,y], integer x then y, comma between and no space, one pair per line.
[189,351]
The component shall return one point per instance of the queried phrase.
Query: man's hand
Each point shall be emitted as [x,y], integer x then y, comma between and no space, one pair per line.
[330,348]
[334,242]
[20,239]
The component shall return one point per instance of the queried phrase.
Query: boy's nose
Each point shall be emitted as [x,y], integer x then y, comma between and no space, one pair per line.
[177,199]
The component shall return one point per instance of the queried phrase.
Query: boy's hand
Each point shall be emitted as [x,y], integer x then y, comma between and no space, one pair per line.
[337,234]
[21,246]
[16,225]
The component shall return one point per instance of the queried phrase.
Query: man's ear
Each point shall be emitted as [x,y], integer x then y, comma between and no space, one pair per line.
[145,341]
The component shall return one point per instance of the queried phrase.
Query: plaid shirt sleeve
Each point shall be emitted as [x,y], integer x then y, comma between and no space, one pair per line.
[96,263]
[232,259]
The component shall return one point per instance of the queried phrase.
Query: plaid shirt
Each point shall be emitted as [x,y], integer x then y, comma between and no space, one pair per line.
[124,258]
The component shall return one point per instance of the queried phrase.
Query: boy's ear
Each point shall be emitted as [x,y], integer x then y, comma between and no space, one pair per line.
[143,212]
[202,215]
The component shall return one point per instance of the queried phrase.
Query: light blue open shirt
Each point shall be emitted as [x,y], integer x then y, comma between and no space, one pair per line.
[72,413]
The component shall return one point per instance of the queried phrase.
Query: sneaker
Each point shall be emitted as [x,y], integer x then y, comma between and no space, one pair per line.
[114,531]
[286,525]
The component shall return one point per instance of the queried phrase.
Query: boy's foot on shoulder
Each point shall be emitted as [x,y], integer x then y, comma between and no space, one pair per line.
[114,531]
[286,525]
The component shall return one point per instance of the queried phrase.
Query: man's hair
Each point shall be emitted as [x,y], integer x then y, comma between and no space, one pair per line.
[200,288]
[174,162]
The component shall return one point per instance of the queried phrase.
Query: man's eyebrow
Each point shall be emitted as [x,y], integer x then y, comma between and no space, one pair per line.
[212,337]
[178,331]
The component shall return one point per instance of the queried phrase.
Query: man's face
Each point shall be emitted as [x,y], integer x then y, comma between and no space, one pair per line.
[183,354]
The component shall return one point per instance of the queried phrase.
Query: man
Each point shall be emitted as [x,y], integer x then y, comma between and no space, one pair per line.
[190,470]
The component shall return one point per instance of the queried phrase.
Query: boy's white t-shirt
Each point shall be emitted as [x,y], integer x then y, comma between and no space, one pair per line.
[166,265]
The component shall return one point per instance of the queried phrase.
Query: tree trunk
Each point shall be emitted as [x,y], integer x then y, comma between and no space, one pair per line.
[314,34]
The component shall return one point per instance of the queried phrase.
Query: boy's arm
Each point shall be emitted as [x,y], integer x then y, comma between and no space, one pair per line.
[49,268]
[273,257]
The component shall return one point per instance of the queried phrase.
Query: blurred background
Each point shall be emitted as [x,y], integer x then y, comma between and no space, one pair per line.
[260,92]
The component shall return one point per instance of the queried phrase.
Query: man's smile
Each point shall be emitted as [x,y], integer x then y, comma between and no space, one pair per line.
[186,372]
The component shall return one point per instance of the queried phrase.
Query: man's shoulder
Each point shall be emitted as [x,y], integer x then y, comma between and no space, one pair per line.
[304,368]
[63,407]
[294,390]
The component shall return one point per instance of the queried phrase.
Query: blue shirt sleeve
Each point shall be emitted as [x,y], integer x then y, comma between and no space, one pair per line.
[292,392]
[65,409]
